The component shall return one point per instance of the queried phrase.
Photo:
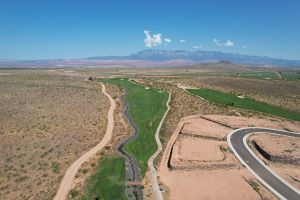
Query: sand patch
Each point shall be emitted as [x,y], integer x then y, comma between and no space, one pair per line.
[192,165]
[200,126]
[198,149]
[279,145]
[284,147]
[6,74]
[239,122]
[222,184]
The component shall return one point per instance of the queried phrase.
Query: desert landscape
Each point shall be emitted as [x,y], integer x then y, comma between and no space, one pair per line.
[195,152]
[47,121]
[160,100]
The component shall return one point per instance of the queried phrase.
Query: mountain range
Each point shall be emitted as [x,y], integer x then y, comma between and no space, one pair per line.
[152,57]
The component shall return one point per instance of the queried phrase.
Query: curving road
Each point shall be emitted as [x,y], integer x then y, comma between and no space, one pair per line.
[66,184]
[238,143]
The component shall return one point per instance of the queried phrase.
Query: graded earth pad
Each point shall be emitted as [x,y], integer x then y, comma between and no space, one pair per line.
[197,149]
[203,127]
[198,164]
[282,155]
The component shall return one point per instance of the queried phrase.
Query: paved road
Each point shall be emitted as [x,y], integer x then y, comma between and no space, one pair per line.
[237,142]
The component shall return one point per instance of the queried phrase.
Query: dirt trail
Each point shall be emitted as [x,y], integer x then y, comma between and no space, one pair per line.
[66,184]
[155,188]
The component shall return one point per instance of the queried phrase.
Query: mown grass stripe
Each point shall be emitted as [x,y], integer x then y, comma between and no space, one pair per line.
[108,181]
[246,103]
[146,108]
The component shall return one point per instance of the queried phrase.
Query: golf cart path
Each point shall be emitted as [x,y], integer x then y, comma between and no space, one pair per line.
[66,184]
[155,188]
[238,143]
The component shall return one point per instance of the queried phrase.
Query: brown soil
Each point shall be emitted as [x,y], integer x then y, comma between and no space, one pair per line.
[203,127]
[197,149]
[287,147]
[201,165]
[121,131]
[66,184]
[46,122]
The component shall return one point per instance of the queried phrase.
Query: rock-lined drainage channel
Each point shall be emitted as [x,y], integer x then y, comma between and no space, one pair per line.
[133,177]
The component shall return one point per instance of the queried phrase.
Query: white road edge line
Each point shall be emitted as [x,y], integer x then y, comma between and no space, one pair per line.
[263,164]
[155,188]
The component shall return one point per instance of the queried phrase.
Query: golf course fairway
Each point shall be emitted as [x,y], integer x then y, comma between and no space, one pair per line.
[146,109]
[244,103]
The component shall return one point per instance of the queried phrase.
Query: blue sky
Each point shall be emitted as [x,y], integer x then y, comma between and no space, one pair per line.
[44,29]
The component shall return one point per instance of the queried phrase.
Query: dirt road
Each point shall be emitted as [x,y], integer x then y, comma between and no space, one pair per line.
[66,184]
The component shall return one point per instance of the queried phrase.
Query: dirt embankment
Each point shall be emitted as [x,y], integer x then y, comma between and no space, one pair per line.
[197,162]
[281,154]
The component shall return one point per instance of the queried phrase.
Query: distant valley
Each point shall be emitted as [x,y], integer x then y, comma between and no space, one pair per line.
[155,58]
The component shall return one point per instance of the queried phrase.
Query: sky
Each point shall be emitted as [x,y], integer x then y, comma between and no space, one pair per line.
[48,29]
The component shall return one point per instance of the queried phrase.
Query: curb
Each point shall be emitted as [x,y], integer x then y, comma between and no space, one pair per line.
[253,154]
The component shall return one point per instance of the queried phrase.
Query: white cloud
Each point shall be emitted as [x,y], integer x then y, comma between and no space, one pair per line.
[167,40]
[182,41]
[152,41]
[197,46]
[244,47]
[217,42]
[228,43]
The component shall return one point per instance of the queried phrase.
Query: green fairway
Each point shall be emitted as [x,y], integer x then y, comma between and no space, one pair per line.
[267,75]
[290,75]
[246,103]
[259,74]
[108,182]
[146,108]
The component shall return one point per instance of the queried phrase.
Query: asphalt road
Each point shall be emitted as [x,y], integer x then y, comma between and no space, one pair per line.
[272,181]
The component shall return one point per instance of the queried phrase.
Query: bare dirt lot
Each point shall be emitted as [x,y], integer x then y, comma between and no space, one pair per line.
[197,162]
[284,155]
[46,121]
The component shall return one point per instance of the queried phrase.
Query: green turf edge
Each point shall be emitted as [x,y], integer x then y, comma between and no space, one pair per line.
[146,108]
[108,181]
[226,99]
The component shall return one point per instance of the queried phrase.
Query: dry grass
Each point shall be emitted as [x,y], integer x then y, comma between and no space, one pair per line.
[285,94]
[121,131]
[46,122]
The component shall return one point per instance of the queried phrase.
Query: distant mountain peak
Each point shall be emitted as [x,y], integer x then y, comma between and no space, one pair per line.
[210,56]
[157,57]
